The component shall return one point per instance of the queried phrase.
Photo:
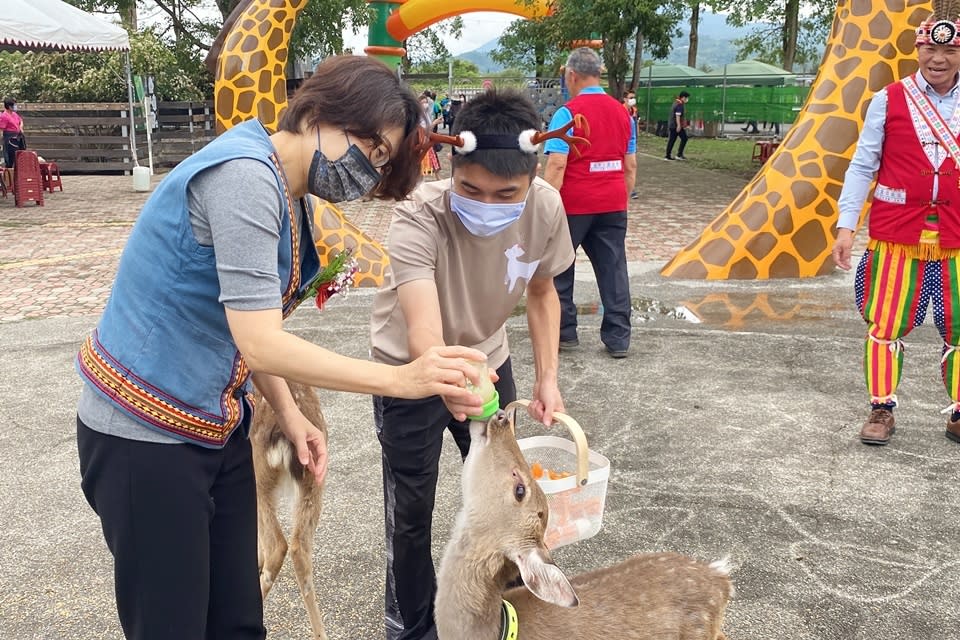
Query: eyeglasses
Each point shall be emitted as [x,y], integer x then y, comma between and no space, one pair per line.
[380,155]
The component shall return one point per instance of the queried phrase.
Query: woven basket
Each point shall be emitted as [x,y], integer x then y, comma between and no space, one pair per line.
[577,501]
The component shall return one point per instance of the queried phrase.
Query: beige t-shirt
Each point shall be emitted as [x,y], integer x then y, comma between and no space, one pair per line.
[479,281]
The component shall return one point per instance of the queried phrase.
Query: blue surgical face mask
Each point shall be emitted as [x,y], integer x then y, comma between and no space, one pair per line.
[483,219]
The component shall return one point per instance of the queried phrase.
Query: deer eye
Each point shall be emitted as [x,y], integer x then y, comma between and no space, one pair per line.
[519,491]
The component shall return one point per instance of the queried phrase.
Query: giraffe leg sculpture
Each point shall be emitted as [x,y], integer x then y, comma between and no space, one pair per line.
[782,224]
[248,60]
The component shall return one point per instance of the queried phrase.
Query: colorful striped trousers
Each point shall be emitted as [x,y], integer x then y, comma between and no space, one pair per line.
[893,290]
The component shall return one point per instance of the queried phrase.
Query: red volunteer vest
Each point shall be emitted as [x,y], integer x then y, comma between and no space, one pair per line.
[593,182]
[903,197]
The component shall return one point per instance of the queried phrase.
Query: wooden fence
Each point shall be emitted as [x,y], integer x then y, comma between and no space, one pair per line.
[95,138]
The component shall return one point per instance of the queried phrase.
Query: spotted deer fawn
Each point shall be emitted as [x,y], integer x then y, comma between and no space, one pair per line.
[277,471]
[500,530]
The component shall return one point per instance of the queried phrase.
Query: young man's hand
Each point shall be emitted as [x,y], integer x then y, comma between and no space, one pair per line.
[546,401]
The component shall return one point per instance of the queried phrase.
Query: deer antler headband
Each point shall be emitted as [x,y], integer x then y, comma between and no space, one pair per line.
[943,25]
[528,141]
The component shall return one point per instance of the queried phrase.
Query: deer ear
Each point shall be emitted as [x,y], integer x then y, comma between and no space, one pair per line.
[545,579]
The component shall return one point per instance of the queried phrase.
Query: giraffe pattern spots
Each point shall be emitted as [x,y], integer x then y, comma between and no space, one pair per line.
[782,225]
[248,60]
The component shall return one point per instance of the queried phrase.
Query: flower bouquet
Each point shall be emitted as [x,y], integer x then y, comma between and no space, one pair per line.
[334,278]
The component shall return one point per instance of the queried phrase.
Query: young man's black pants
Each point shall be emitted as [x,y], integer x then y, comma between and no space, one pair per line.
[411,436]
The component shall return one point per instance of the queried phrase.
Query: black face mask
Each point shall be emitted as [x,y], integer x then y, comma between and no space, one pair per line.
[348,178]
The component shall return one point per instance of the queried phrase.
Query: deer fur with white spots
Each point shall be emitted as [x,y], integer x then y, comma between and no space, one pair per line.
[278,473]
[499,531]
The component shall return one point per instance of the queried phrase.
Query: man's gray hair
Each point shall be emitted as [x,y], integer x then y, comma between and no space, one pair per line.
[585,62]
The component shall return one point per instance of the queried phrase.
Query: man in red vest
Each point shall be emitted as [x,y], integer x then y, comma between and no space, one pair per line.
[594,185]
[909,144]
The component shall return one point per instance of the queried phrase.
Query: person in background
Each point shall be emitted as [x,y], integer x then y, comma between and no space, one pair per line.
[630,104]
[908,145]
[678,126]
[430,163]
[463,253]
[594,184]
[455,105]
[12,126]
[445,109]
[221,253]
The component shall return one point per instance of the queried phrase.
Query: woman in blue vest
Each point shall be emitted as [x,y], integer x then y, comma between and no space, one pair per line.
[220,254]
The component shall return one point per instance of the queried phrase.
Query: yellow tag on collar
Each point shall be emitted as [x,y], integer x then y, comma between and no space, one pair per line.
[509,625]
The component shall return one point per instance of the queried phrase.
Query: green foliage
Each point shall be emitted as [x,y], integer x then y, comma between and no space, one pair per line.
[426,52]
[772,41]
[101,77]
[321,25]
[526,46]
[543,45]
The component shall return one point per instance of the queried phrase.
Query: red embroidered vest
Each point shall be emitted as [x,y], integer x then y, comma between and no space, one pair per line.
[903,197]
[593,182]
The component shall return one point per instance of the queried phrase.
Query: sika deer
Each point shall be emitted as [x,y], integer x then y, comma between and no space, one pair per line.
[278,470]
[500,530]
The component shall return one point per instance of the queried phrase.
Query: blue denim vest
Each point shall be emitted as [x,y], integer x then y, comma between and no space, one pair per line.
[163,352]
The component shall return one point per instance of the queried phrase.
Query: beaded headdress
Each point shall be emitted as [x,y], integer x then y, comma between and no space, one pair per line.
[943,25]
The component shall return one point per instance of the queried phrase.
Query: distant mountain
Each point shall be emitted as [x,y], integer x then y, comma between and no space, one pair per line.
[715,47]
[481,57]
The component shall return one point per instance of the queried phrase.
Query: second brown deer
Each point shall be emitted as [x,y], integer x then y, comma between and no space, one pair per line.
[278,473]
[499,531]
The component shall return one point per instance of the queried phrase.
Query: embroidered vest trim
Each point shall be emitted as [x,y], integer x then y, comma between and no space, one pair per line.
[147,403]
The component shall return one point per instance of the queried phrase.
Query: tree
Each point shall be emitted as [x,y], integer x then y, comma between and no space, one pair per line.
[694,34]
[426,48]
[527,45]
[100,77]
[790,31]
[186,23]
[617,22]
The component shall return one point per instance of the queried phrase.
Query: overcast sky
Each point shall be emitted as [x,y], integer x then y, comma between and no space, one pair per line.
[478,28]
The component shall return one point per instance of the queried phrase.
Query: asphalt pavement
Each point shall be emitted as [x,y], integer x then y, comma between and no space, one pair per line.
[731,429]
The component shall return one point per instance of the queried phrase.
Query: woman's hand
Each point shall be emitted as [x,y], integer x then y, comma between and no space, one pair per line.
[442,371]
[309,442]
[461,411]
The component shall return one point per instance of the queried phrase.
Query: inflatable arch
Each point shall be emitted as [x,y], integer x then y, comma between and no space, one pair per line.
[415,15]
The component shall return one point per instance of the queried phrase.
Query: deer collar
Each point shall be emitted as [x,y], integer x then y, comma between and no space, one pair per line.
[509,625]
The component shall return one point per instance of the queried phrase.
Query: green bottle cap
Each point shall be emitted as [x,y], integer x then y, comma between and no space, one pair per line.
[490,407]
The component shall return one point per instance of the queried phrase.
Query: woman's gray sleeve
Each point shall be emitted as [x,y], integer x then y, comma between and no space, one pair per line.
[236,207]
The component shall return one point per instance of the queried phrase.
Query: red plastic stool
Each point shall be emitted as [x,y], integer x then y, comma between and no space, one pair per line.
[27,183]
[50,176]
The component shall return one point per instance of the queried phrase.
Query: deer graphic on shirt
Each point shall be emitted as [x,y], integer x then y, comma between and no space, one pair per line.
[517,269]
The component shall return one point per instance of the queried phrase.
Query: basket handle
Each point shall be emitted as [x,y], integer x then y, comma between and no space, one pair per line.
[576,432]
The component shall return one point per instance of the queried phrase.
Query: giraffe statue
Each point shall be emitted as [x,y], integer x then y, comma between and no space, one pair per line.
[783,223]
[248,60]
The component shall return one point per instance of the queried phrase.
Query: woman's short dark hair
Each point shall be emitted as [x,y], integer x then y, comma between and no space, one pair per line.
[362,96]
[8,103]
[504,112]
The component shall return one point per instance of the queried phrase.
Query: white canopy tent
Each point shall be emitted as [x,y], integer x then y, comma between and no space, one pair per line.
[53,25]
